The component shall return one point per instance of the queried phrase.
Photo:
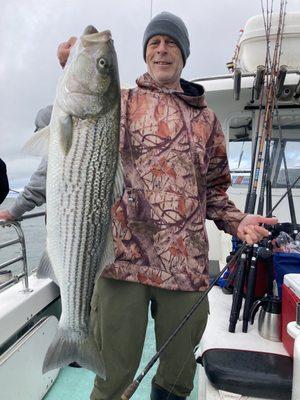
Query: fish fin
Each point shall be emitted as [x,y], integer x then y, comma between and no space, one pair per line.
[66,348]
[45,269]
[108,255]
[38,144]
[119,181]
[66,132]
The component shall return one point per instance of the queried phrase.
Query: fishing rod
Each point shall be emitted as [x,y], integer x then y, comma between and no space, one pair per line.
[264,139]
[279,88]
[134,385]
[129,391]
[256,249]
[261,72]
[258,89]
[268,123]
[267,255]
[250,198]
[257,156]
[256,162]
[237,299]
[269,188]
[284,195]
[237,277]
[251,194]
[277,77]
[268,184]
[266,252]
[287,179]
[270,101]
[265,173]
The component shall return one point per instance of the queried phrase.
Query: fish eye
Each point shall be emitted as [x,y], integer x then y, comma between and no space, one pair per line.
[102,63]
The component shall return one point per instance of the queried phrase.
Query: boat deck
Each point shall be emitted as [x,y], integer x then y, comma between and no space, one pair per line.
[77,383]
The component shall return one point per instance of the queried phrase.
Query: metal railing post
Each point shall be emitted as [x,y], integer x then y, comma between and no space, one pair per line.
[21,239]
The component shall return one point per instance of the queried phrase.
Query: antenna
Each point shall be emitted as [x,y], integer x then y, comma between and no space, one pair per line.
[151,9]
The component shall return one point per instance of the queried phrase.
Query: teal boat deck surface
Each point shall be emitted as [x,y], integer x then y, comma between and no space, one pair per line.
[77,383]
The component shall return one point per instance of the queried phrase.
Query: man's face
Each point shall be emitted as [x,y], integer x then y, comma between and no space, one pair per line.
[164,61]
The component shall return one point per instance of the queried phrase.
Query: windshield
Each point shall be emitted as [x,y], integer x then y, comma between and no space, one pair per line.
[240,150]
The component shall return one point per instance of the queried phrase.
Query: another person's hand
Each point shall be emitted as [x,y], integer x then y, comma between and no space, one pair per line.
[5,215]
[250,231]
[63,50]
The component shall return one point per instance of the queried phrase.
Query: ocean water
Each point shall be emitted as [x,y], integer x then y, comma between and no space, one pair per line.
[71,383]
[35,237]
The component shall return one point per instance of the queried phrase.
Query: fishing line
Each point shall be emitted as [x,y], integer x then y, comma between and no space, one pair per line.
[178,376]
[129,391]
[134,385]
[259,138]
[290,196]
[264,146]
[262,132]
[275,99]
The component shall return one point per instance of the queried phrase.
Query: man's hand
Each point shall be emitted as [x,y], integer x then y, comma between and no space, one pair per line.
[63,50]
[5,215]
[250,231]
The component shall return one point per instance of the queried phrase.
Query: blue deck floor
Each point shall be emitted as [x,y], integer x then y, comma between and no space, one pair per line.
[77,383]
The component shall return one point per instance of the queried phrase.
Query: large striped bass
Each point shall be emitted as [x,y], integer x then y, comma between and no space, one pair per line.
[83,178]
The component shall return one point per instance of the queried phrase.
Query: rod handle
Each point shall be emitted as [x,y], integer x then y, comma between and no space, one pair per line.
[251,203]
[130,390]
[237,296]
[250,288]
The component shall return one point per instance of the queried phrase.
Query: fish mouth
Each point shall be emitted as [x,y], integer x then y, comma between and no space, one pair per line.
[82,92]
[97,37]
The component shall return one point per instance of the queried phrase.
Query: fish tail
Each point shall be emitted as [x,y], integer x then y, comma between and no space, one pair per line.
[64,350]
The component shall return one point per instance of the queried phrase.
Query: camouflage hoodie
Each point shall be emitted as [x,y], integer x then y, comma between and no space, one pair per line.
[176,175]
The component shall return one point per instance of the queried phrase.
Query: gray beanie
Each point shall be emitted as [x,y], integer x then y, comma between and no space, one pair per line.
[168,24]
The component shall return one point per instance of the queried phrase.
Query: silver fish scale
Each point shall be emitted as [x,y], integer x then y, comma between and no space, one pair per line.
[85,200]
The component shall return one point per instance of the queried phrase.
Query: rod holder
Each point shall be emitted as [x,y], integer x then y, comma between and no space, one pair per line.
[280,80]
[237,77]
[296,93]
[259,80]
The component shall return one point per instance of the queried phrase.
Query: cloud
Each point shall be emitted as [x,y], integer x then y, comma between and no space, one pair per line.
[30,32]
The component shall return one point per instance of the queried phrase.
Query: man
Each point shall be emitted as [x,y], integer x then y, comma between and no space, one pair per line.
[4,186]
[176,174]
[34,194]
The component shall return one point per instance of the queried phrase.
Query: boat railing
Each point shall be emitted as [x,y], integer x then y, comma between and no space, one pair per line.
[16,224]
[243,75]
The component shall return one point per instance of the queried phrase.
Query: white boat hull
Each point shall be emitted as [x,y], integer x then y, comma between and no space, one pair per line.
[21,374]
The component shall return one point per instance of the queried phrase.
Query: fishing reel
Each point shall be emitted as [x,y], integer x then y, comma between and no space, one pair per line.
[266,245]
[286,227]
[276,238]
[265,249]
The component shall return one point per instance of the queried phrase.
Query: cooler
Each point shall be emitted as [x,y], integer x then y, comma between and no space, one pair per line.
[290,297]
[285,263]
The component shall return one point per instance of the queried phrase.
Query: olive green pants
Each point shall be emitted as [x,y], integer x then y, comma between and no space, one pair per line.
[120,316]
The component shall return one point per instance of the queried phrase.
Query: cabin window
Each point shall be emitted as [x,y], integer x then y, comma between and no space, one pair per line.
[292,155]
[240,150]
[240,162]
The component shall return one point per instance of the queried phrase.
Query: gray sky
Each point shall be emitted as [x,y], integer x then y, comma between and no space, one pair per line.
[30,31]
